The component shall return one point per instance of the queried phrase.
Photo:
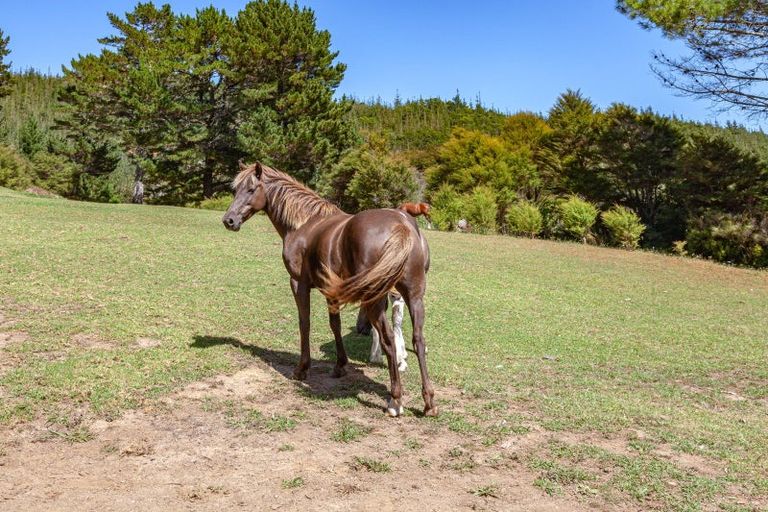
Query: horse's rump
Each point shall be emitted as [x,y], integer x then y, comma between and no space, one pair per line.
[373,260]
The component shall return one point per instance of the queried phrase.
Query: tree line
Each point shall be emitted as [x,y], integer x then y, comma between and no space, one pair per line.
[173,101]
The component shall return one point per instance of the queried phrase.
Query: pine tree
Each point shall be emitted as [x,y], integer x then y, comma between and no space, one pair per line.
[728,44]
[5,68]
[186,96]
[287,69]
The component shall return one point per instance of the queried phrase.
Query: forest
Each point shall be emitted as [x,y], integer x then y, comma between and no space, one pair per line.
[174,101]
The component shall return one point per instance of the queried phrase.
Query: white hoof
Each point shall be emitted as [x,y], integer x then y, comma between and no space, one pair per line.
[394,411]
[402,365]
[377,359]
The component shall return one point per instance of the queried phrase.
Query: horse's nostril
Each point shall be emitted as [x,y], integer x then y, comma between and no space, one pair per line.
[229,221]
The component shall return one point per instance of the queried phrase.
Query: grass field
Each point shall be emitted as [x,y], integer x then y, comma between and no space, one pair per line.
[647,373]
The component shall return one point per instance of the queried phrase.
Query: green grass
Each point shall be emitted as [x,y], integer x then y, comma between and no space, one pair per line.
[349,431]
[486,491]
[293,483]
[372,465]
[583,339]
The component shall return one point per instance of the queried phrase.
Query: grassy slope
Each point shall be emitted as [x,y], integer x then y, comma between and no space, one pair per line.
[587,339]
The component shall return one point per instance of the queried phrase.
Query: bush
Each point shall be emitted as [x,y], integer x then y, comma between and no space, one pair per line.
[741,239]
[54,173]
[447,208]
[385,182]
[524,218]
[549,207]
[624,227]
[368,177]
[576,217]
[98,189]
[481,209]
[218,203]
[15,170]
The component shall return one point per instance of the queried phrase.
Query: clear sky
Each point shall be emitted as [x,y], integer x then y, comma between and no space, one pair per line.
[513,54]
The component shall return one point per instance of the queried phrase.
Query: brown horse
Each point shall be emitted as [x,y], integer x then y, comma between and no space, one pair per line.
[349,258]
[416,209]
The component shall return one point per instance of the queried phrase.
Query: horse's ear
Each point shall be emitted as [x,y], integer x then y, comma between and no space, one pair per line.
[257,170]
[241,165]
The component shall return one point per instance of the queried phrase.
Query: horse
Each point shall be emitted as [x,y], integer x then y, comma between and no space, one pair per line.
[416,209]
[349,258]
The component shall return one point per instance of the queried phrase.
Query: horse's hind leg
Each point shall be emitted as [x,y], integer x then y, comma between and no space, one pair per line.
[341,354]
[377,314]
[416,307]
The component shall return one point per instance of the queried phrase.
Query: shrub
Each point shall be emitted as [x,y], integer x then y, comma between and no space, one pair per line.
[386,182]
[524,218]
[549,208]
[481,209]
[99,189]
[624,226]
[577,217]
[368,177]
[446,208]
[218,203]
[15,170]
[53,172]
[741,239]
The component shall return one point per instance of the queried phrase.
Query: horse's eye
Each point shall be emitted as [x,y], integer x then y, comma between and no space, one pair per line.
[251,190]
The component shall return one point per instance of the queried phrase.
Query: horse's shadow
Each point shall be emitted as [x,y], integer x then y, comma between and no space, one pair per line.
[319,383]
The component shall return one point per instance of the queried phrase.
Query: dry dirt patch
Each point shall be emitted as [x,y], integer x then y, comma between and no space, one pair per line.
[199,449]
[10,337]
[89,342]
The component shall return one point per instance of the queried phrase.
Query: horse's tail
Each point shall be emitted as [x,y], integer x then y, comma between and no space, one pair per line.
[371,285]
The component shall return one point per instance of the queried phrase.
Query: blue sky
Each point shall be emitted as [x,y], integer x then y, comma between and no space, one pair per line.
[515,55]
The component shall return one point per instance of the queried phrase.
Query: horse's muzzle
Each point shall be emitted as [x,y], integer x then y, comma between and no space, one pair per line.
[231,223]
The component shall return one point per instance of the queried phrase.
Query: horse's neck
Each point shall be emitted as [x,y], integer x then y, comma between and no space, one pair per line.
[281,228]
[281,217]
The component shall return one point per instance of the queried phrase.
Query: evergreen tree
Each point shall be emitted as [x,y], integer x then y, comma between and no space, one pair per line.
[187,96]
[728,43]
[5,67]
[571,146]
[638,159]
[716,175]
[289,117]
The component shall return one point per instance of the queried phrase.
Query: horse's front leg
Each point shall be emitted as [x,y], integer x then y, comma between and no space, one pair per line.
[341,354]
[301,294]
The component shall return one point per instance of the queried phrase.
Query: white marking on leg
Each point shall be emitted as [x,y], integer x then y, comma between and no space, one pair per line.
[393,410]
[376,356]
[398,306]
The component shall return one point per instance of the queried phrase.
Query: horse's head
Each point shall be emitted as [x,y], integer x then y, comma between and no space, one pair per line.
[249,196]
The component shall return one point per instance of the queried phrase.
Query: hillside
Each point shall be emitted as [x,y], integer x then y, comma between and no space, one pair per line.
[588,374]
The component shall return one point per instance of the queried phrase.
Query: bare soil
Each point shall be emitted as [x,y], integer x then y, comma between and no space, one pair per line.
[197,450]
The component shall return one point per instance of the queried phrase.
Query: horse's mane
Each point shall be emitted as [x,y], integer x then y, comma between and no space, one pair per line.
[290,202]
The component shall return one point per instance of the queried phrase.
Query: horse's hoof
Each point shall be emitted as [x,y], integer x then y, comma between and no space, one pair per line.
[402,366]
[376,359]
[299,374]
[338,372]
[430,412]
[394,409]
